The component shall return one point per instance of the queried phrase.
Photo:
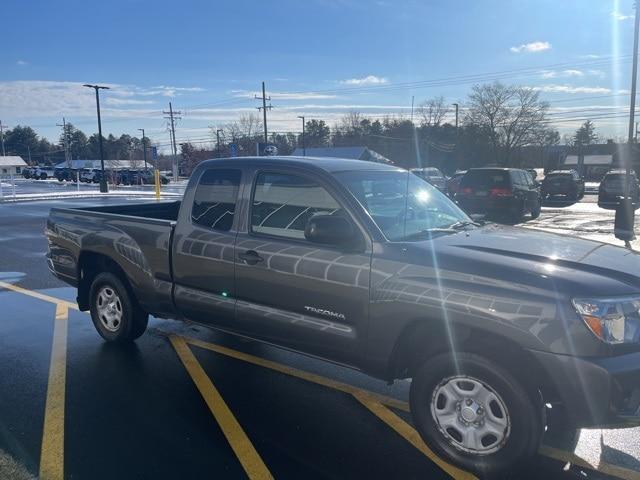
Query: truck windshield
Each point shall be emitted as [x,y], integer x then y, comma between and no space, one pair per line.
[404,206]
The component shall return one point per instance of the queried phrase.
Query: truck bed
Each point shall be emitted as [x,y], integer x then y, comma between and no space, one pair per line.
[136,237]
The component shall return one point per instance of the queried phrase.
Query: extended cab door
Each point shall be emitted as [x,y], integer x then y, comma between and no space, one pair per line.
[307,296]
[203,247]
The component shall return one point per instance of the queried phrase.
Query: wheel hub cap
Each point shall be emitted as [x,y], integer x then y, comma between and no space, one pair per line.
[109,308]
[471,415]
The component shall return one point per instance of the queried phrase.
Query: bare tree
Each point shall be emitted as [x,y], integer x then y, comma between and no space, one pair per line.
[510,116]
[250,124]
[433,111]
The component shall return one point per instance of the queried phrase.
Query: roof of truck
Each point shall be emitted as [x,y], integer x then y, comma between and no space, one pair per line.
[329,164]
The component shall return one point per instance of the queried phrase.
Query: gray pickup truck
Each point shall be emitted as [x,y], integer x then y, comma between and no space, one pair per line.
[369,266]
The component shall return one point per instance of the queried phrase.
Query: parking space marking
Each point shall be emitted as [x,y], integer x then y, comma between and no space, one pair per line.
[38,295]
[52,449]
[373,401]
[294,372]
[412,436]
[237,438]
[362,395]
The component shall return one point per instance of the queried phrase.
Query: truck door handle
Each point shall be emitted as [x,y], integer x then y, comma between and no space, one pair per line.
[250,257]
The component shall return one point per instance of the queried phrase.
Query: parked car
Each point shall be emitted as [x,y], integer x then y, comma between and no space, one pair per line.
[499,191]
[566,183]
[369,266]
[42,173]
[148,177]
[65,174]
[612,189]
[29,172]
[88,175]
[432,175]
[453,183]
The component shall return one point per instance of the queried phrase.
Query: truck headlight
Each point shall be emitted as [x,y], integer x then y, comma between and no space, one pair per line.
[612,320]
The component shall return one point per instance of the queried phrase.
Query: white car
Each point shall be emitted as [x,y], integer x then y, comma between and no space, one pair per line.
[42,173]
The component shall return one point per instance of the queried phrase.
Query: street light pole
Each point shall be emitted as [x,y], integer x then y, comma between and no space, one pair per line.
[218,141]
[103,178]
[144,148]
[624,221]
[304,143]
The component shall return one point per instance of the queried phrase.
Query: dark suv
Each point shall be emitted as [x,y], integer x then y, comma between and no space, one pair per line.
[499,191]
[612,189]
[567,183]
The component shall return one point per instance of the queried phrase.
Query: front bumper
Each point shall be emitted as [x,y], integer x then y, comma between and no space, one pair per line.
[596,392]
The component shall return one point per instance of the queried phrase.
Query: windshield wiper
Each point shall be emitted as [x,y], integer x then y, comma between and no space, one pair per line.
[462,224]
[429,231]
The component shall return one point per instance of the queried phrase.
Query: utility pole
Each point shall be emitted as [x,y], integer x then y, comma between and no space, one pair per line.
[264,108]
[103,177]
[624,221]
[173,116]
[144,148]
[412,99]
[456,148]
[2,139]
[65,140]
[304,143]
[218,140]
[457,107]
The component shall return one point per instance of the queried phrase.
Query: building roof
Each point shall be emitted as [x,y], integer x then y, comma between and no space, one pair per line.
[354,153]
[589,160]
[12,161]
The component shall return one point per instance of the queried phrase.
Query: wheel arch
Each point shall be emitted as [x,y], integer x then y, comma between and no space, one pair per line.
[422,340]
[90,264]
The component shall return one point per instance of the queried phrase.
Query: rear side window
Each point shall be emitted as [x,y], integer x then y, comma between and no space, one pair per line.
[214,203]
[283,203]
[486,179]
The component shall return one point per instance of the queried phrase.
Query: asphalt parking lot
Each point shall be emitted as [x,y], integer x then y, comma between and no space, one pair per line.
[188,402]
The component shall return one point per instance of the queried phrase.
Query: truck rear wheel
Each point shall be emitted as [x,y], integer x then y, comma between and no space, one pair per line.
[475,413]
[115,313]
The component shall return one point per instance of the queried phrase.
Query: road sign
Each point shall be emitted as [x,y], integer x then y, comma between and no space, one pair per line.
[233,149]
[154,153]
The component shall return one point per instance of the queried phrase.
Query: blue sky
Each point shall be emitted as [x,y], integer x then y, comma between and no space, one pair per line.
[319,58]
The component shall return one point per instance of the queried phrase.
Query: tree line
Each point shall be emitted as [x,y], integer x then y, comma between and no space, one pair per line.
[494,124]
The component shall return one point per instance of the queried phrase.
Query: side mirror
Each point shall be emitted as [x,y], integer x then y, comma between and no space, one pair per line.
[329,230]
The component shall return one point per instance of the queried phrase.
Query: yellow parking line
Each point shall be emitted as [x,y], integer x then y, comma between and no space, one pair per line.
[294,372]
[38,295]
[606,468]
[240,443]
[412,436]
[52,452]
[547,451]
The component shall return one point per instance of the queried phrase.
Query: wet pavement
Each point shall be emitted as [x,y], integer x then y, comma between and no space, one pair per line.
[187,402]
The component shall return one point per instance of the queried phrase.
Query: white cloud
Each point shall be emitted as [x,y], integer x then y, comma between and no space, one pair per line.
[368,80]
[570,89]
[621,17]
[532,47]
[127,101]
[563,73]
[22,63]
[283,95]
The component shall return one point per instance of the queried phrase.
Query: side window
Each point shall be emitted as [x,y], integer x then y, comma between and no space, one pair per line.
[283,203]
[214,203]
[515,177]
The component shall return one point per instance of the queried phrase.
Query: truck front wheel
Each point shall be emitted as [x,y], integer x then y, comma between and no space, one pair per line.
[475,413]
[114,311]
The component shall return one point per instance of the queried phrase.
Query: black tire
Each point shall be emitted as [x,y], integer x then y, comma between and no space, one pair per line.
[524,413]
[132,319]
[535,213]
[517,216]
